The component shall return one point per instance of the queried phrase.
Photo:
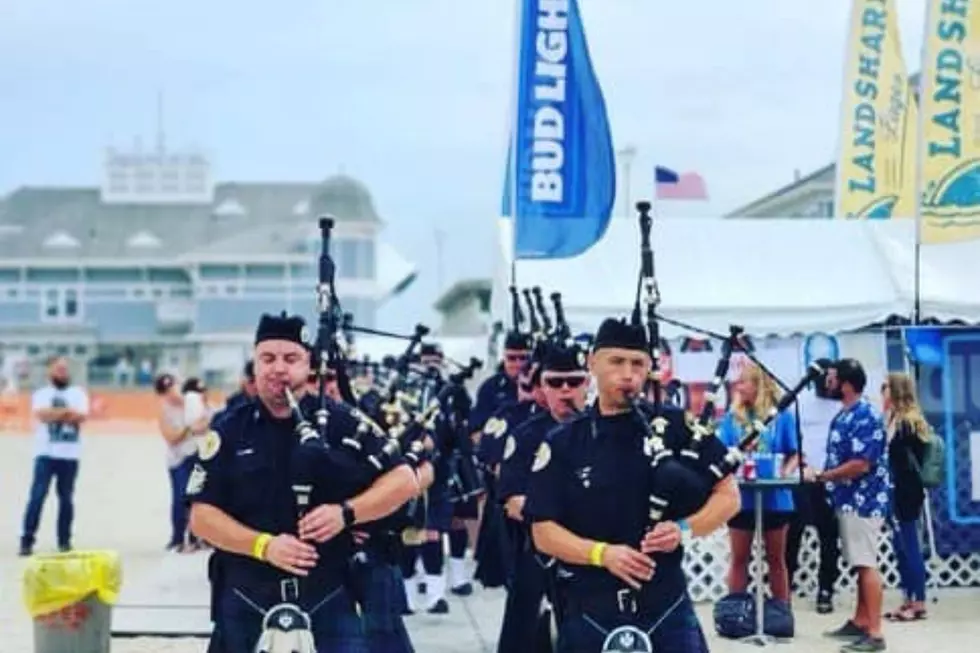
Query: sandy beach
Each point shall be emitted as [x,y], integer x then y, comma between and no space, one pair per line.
[122,504]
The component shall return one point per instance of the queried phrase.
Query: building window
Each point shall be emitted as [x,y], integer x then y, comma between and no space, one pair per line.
[70,303]
[61,305]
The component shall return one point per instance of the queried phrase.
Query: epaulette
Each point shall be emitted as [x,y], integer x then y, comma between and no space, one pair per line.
[236,414]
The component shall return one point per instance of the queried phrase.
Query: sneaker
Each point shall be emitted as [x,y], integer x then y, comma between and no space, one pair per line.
[866,644]
[825,602]
[64,548]
[25,551]
[850,632]
[439,607]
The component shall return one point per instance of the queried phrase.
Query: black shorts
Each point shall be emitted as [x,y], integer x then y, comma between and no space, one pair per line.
[469,509]
[771,520]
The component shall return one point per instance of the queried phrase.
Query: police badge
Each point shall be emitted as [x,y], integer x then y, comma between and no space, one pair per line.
[627,639]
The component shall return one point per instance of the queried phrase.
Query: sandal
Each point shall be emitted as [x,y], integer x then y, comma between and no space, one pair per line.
[909,614]
[896,614]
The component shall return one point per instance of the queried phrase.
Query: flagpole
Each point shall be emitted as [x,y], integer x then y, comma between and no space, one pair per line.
[920,148]
[514,126]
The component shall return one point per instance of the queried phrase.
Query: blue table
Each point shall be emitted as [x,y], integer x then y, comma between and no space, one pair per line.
[759,487]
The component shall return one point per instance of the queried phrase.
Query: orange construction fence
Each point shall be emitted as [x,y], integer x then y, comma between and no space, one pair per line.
[128,412]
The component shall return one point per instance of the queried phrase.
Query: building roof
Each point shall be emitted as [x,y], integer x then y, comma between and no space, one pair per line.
[824,174]
[54,223]
[461,290]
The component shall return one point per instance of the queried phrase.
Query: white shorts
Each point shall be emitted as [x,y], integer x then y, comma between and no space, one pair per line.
[859,537]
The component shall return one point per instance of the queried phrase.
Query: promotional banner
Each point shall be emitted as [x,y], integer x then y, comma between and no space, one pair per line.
[876,158]
[949,392]
[562,194]
[950,106]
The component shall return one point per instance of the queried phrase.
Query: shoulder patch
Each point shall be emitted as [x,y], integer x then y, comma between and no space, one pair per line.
[510,447]
[196,481]
[495,426]
[209,445]
[541,457]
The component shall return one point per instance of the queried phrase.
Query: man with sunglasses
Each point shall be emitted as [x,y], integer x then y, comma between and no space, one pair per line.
[621,582]
[501,388]
[564,384]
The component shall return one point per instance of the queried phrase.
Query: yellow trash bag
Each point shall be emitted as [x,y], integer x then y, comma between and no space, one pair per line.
[56,581]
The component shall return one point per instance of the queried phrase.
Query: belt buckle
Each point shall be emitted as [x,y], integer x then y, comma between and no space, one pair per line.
[626,600]
[289,590]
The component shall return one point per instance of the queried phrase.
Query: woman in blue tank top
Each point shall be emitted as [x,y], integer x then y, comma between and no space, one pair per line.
[755,394]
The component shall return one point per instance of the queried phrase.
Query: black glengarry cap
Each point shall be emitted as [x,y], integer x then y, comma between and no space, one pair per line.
[619,334]
[291,328]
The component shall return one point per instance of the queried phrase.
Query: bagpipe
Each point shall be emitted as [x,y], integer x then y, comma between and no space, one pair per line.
[335,470]
[683,474]
[413,401]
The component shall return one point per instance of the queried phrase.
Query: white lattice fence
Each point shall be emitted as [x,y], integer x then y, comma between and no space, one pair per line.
[706,564]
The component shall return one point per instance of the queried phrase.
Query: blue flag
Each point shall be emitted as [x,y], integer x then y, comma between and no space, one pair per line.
[561,147]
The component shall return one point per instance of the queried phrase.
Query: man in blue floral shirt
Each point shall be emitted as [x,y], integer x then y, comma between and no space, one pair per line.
[857,479]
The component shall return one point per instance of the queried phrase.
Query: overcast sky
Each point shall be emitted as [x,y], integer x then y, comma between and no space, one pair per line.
[411,96]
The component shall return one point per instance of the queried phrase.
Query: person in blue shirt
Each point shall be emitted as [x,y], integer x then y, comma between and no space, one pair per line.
[756,393]
[858,479]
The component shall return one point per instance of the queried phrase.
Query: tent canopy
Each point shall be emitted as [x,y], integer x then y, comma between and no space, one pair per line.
[772,277]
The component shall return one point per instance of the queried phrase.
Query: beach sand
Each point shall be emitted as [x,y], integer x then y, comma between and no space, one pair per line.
[122,504]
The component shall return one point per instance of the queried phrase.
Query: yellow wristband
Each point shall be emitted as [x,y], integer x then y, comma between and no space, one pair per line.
[260,545]
[595,555]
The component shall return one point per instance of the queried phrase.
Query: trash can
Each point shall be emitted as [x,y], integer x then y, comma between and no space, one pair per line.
[70,598]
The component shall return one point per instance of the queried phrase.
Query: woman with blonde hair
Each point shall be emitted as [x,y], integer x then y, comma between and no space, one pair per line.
[755,395]
[908,433]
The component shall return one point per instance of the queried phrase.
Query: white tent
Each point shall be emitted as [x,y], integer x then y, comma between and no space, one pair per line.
[774,276]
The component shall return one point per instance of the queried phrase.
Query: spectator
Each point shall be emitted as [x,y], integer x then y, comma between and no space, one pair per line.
[60,409]
[908,433]
[756,395]
[858,481]
[812,500]
[181,448]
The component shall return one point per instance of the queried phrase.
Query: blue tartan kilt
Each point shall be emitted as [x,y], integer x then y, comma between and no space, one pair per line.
[438,512]
[382,607]
[336,626]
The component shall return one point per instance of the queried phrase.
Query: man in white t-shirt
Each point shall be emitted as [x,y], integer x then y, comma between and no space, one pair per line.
[817,411]
[59,410]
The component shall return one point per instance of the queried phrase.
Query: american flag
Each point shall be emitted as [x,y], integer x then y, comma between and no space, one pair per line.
[684,186]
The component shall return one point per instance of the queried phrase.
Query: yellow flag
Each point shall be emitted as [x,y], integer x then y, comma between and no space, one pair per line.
[876,159]
[950,174]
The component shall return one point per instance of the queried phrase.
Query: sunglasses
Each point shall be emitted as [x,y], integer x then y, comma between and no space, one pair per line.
[516,358]
[556,382]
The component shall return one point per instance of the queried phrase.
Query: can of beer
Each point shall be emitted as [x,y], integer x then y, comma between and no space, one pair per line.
[748,469]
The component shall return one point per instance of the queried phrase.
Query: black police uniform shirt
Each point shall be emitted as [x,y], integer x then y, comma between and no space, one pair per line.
[493,437]
[590,475]
[518,455]
[244,467]
[236,399]
[492,394]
